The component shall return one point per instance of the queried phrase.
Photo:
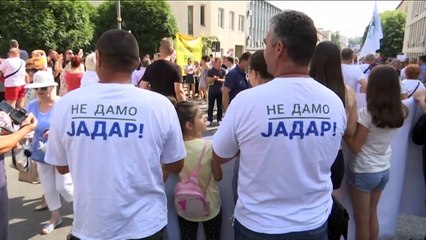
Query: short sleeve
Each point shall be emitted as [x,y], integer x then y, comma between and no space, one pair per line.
[55,151]
[147,74]
[230,80]
[177,74]
[225,143]
[364,117]
[174,147]
[404,89]
[3,66]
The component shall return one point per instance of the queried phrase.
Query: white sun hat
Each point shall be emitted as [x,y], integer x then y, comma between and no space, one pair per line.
[42,79]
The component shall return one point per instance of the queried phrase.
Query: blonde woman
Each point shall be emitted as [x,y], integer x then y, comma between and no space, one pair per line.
[90,75]
[52,182]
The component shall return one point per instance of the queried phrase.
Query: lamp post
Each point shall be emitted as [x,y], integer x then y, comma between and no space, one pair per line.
[119,19]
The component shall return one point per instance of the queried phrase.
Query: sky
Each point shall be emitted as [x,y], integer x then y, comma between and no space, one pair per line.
[348,17]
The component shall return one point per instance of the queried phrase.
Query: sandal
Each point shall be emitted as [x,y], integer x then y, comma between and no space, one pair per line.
[48,228]
[42,206]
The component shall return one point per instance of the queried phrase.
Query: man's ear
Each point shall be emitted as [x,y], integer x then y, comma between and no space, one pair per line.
[98,58]
[189,125]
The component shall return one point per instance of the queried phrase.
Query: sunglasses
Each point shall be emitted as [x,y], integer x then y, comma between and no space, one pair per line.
[42,88]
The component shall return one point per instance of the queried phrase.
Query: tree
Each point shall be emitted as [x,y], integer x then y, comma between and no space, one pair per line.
[335,38]
[149,21]
[393,24]
[207,44]
[354,41]
[46,24]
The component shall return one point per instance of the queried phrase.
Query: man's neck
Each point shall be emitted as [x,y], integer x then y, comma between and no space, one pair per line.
[346,62]
[121,78]
[292,71]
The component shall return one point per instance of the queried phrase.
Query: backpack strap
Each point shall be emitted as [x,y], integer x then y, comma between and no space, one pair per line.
[198,167]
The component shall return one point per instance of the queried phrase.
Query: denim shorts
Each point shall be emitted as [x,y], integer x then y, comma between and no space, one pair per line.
[368,182]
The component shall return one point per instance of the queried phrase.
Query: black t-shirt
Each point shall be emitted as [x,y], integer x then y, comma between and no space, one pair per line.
[219,73]
[162,76]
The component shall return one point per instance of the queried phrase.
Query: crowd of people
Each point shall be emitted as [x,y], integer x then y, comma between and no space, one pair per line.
[110,127]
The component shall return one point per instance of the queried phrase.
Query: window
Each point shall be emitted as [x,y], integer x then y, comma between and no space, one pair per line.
[220,18]
[241,23]
[202,15]
[190,20]
[231,21]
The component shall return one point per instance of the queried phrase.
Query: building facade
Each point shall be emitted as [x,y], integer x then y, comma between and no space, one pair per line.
[258,15]
[224,19]
[415,28]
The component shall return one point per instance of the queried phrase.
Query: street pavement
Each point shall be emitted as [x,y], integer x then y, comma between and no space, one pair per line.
[25,223]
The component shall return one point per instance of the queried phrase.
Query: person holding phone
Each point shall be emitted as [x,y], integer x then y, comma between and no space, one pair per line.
[7,142]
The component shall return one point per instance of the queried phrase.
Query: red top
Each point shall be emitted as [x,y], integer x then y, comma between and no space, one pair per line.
[73,80]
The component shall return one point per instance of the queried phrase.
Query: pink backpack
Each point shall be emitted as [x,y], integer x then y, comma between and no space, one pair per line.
[190,200]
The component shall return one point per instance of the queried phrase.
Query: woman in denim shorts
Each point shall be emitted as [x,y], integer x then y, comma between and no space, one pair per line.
[377,124]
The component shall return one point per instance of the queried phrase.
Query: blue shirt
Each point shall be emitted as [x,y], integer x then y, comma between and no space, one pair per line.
[236,81]
[43,125]
[422,72]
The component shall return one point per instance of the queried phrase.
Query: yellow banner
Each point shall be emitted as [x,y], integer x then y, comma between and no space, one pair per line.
[188,47]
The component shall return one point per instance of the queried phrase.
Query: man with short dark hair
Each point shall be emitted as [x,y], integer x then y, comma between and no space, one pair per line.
[164,76]
[114,139]
[236,80]
[287,133]
[22,53]
[352,74]
[215,78]
[369,64]
[229,63]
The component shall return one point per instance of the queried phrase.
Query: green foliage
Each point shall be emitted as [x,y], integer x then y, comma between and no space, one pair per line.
[354,41]
[46,24]
[149,21]
[335,38]
[364,36]
[207,44]
[393,24]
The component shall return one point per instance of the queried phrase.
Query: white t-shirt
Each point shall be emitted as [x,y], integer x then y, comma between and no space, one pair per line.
[402,75]
[284,180]
[9,66]
[375,154]
[88,78]
[190,69]
[411,84]
[114,138]
[352,75]
[137,76]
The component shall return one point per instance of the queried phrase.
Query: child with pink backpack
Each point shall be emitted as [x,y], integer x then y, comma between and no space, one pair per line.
[197,197]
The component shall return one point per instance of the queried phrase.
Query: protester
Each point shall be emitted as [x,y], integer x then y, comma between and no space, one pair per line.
[369,64]
[90,76]
[412,82]
[7,142]
[235,81]
[190,79]
[203,84]
[229,63]
[377,124]
[410,62]
[352,75]
[193,126]
[215,78]
[284,185]
[257,70]
[52,182]
[22,53]
[72,77]
[140,71]
[326,69]
[164,76]
[114,138]
[13,70]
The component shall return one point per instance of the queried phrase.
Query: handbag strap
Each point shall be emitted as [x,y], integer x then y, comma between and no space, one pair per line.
[15,72]
[415,89]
